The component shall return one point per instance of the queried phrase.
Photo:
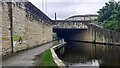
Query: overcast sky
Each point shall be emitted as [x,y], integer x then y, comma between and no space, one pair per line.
[67,8]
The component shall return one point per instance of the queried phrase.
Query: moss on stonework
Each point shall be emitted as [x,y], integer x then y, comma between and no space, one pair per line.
[4,38]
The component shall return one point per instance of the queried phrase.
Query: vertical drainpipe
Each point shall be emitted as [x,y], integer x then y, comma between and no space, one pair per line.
[11,24]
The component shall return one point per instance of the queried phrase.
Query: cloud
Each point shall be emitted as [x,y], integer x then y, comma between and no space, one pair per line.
[70,0]
[62,13]
[67,8]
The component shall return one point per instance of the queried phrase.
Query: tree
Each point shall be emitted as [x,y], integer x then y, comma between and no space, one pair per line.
[109,16]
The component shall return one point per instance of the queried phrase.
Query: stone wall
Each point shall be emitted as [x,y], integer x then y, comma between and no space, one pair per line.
[6,41]
[31,27]
[105,35]
[97,34]
[0,29]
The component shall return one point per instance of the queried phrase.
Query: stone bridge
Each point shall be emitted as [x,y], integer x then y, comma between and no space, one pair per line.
[82,30]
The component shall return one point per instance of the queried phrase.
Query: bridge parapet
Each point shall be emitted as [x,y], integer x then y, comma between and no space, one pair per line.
[70,24]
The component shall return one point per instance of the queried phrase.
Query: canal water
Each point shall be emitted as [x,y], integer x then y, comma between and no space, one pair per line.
[88,54]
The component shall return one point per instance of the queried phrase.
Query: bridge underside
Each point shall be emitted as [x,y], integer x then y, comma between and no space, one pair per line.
[69,33]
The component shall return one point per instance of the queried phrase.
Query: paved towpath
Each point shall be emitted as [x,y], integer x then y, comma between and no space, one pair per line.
[26,58]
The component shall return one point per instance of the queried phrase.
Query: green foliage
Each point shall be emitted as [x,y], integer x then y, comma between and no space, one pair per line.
[109,16]
[54,36]
[16,37]
[47,60]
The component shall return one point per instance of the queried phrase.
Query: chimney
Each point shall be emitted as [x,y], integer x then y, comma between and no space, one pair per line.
[55,16]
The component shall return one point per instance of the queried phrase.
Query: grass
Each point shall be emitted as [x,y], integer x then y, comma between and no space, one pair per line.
[47,61]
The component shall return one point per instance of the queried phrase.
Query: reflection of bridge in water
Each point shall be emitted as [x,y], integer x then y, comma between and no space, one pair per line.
[88,54]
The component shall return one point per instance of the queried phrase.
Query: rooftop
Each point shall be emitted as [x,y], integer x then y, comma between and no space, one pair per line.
[83,15]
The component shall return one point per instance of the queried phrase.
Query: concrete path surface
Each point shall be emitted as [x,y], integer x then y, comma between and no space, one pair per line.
[25,58]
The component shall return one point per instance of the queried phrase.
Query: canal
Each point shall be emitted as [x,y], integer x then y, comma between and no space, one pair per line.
[88,54]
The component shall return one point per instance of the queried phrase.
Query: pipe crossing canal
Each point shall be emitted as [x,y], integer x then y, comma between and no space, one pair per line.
[88,55]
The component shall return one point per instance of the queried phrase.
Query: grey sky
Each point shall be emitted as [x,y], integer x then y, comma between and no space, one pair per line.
[67,8]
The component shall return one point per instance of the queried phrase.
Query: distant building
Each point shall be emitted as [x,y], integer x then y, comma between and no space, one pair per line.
[112,0]
[82,17]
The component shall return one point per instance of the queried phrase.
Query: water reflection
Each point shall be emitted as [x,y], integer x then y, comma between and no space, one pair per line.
[79,52]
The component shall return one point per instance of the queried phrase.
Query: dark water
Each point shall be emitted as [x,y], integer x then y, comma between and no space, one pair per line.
[108,56]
